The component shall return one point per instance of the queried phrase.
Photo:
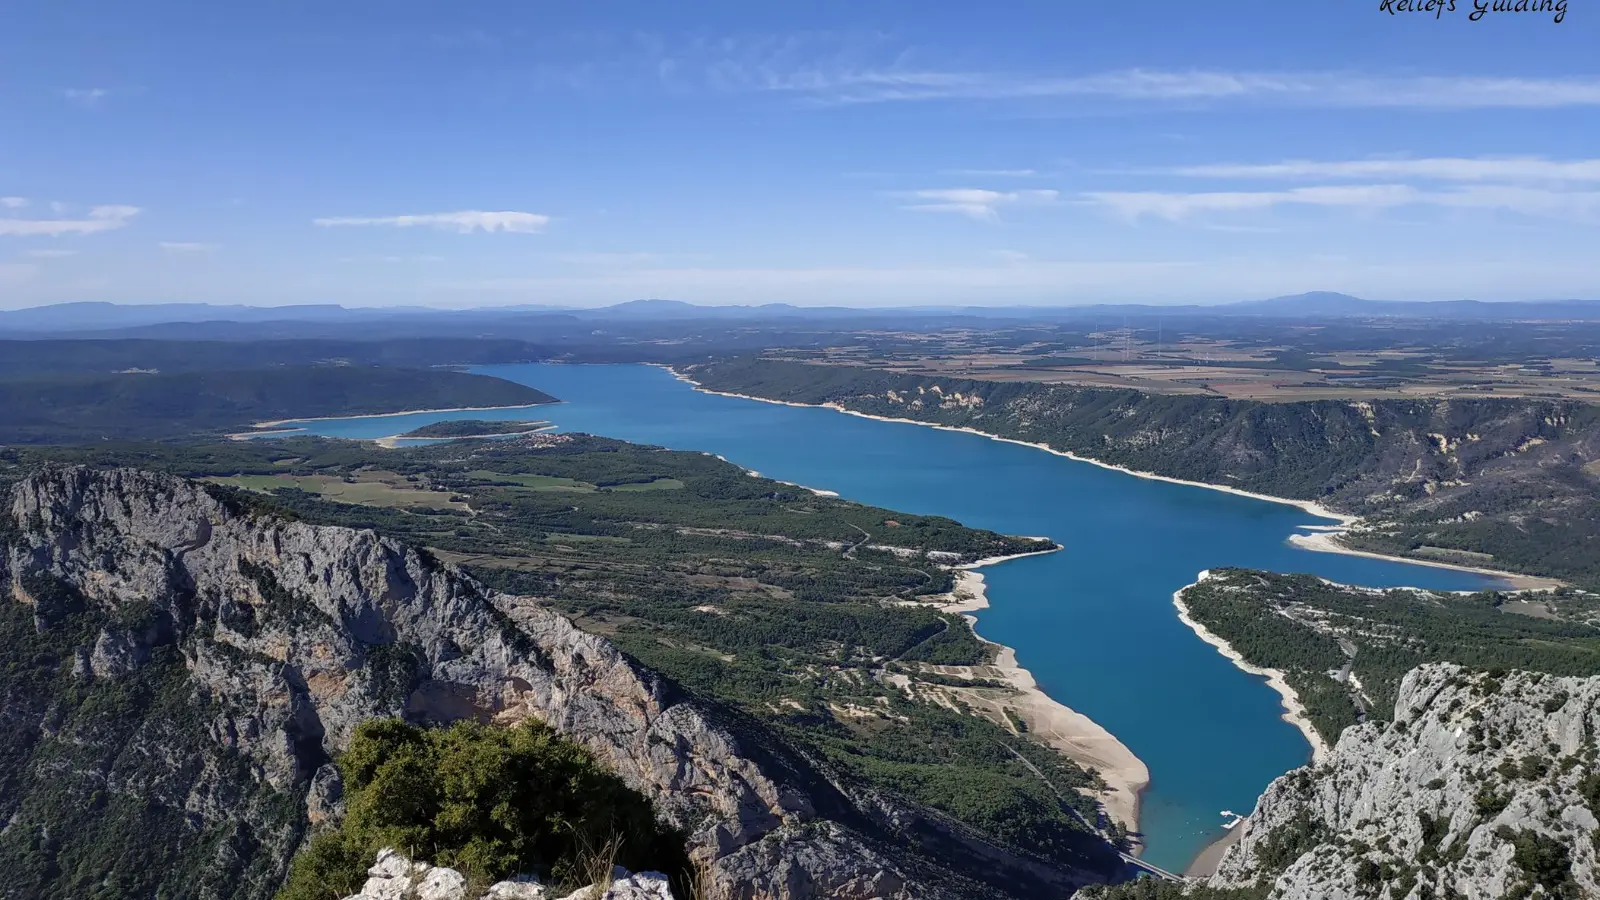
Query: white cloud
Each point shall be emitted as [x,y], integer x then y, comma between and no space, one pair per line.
[189,247]
[86,97]
[975,203]
[13,202]
[1517,168]
[859,66]
[1180,206]
[465,221]
[1528,201]
[100,218]
[51,254]
[1314,89]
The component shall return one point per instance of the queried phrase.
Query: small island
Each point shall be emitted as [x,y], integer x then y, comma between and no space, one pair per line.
[475,428]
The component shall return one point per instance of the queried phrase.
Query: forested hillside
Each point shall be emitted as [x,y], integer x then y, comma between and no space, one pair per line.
[1345,649]
[29,358]
[1507,483]
[65,409]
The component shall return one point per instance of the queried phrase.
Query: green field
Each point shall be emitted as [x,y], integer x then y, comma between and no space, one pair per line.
[385,489]
[660,484]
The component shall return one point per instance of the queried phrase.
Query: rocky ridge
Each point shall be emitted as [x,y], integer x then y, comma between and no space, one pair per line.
[1485,785]
[276,638]
[393,877]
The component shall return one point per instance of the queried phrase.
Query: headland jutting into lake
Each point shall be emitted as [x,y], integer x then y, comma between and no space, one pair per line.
[1093,624]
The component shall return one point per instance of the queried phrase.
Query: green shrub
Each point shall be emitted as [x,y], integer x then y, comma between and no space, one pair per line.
[490,802]
[1546,862]
[1490,802]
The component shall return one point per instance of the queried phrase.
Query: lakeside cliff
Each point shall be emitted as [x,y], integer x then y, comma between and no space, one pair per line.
[1484,786]
[1508,484]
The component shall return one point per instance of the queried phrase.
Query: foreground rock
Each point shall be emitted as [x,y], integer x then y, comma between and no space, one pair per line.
[393,877]
[253,646]
[1483,787]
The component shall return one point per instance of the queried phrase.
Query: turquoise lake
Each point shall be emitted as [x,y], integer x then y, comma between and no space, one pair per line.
[1094,623]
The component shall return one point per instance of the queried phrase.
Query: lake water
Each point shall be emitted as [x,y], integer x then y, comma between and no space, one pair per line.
[1095,622]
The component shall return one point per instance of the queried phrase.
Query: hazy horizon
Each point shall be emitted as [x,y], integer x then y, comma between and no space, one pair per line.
[509,307]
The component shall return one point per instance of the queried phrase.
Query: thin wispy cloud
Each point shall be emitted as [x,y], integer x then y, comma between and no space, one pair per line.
[464,221]
[1175,207]
[189,247]
[865,67]
[86,97]
[974,203]
[1520,168]
[13,202]
[100,218]
[1156,86]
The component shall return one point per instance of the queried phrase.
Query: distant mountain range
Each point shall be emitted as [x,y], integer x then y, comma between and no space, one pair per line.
[205,319]
[1328,304]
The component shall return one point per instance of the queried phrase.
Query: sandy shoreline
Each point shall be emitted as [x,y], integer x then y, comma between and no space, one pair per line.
[1327,541]
[1324,540]
[1206,863]
[392,442]
[404,412]
[1293,711]
[1070,732]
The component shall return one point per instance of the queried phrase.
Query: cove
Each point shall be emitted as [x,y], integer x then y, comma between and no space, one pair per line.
[1094,623]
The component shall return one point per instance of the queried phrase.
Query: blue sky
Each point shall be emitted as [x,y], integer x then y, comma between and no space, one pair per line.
[858,153]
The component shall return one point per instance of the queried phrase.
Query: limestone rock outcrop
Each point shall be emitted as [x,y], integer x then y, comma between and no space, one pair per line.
[393,877]
[1485,785]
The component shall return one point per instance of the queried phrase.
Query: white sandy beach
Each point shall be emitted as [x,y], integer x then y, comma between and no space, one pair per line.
[391,442]
[1327,541]
[1293,711]
[1206,863]
[818,491]
[405,412]
[1070,732]
[247,435]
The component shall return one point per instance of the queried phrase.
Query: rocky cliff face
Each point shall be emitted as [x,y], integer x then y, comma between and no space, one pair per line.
[197,665]
[1484,786]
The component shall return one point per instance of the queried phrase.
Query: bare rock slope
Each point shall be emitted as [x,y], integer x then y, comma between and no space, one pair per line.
[218,658]
[1486,785]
